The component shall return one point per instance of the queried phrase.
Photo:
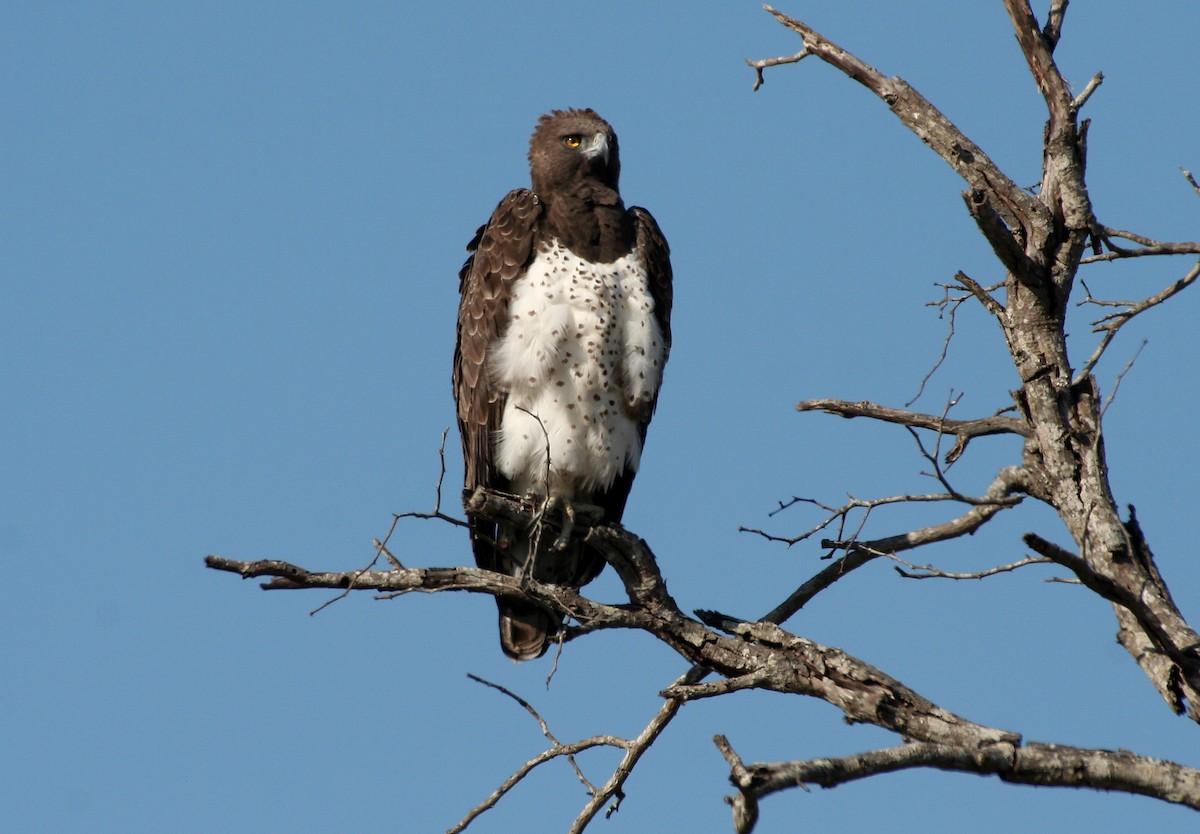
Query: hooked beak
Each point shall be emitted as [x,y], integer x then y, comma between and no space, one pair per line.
[597,145]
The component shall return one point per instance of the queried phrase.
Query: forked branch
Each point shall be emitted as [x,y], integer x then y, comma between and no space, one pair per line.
[1040,238]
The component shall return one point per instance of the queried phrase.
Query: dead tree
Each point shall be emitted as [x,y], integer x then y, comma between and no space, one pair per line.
[1040,237]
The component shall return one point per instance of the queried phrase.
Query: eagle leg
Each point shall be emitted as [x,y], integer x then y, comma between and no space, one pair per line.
[568,524]
[563,507]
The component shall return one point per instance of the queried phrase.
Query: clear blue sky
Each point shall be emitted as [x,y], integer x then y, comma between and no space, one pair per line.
[231,233]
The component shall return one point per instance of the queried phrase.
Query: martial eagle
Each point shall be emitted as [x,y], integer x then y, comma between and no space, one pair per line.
[563,332]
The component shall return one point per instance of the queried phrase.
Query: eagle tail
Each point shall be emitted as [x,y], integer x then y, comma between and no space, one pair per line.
[525,630]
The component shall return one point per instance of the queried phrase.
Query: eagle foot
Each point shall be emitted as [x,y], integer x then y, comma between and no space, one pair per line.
[563,507]
[570,516]
[568,525]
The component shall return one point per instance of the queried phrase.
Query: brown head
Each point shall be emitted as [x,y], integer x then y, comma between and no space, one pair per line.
[569,147]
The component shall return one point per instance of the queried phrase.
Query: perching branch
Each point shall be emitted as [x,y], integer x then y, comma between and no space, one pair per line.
[750,655]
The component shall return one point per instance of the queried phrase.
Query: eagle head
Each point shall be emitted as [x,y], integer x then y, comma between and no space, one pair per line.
[570,146]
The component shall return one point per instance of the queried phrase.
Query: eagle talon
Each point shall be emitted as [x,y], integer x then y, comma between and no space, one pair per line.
[568,525]
[556,504]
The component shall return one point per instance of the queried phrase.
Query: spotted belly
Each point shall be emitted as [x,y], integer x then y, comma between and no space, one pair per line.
[581,363]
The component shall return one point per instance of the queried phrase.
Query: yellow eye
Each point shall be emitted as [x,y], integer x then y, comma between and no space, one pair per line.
[572,141]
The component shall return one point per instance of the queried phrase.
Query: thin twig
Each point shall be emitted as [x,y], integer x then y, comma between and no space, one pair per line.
[930,572]
[964,430]
[528,707]
[381,545]
[535,537]
[760,65]
[932,457]
[546,755]
[436,514]
[1191,180]
[635,748]
[947,308]
[1092,85]
[1110,324]
[1117,382]
[836,513]
[1149,246]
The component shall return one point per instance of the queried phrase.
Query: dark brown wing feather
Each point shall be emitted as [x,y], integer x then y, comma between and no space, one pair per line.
[500,251]
[656,255]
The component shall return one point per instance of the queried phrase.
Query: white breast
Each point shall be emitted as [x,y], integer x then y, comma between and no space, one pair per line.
[581,362]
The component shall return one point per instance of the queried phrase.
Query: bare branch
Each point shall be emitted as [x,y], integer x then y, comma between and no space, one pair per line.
[1052,31]
[1117,382]
[985,298]
[932,457]
[1040,240]
[1149,246]
[545,728]
[1000,495]
[755,655]
[1187,175]
[760,65]
[795,664]
[635,748]
[840,514]
[948,307]
[287,576]
[930,572]
[554,752]
[745,806]
[1092,85]
[1038,51]
[436,514]
[1110,324]
[692,692]
[998,230]
[973,428]
[925,120]
[1047,765]
[963,430]
[1114,321]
